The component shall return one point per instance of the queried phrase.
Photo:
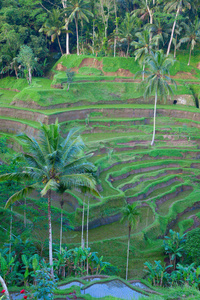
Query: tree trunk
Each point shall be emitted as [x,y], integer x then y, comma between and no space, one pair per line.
[59,44]
[16,74]
[11,222]
[67,41]
[61,225]
[116,27]
[50,234]
[190,54]
[87,244]
[175,46]
[25,212]
[143,72]
[29,75]
[173,28]
[4,288]
[77,41]
[129,237]
[154,121]
[93,33]
[82,241]
[127,49]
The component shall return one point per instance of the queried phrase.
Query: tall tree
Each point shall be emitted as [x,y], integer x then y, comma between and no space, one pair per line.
[143,46]
[52,161]
[27,60]
[192,35]
[127,30]
[64,4]
[158,79]
[79,10]
[175,5]
[130,214]
[54,26]
[105,9]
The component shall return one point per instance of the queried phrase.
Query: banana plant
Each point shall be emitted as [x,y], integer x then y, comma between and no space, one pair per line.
[6,264]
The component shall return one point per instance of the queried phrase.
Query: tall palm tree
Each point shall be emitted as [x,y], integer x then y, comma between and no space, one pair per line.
[54,26]
[192,35]
[52,161]
[158,79]
[130,214]
[127,30]
[175,5]
[143,46]
[79,10]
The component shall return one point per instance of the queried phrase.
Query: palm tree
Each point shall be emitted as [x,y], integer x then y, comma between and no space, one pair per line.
[52,161]
[143,46]
[157,80]
[192,35]
[4,286]
[127,30]
[175,5]
[79,11]
[130,214]
[54,26]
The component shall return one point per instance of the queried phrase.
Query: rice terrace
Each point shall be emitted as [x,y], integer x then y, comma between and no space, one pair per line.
[100,149]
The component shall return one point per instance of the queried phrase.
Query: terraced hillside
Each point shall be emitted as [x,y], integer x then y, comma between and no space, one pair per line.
[117,127]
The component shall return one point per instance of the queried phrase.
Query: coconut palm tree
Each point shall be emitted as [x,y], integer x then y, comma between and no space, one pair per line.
[52,161]
[175,5]
[130,214]
[192,35]
[158,79]
[143,46]
[79,10]
[127,30]
[54,26]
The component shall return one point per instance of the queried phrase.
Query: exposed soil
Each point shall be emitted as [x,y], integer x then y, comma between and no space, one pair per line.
[9,89]
[184,75]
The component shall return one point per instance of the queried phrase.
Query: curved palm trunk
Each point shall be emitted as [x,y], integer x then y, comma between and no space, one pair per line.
[129,237]
[50,233]
[128,48]
[173,28]
[61,225]
[83,215]
[154,121]
[143,72]
[59,44]
[77,38]
[190,55]
[4,288]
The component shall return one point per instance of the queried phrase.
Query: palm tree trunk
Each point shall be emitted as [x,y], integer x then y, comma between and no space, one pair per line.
[190,54]
[50,233]
[25,212]
[83,214]
[29,75]
[173,28]
[87,244]
[11,222]
[143,72]
[67,41]
[4,288]
[59,44]
[127,49]
[129,237]
[154,121]
[175,46]
[93,34]
[77,40]
[61,225]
